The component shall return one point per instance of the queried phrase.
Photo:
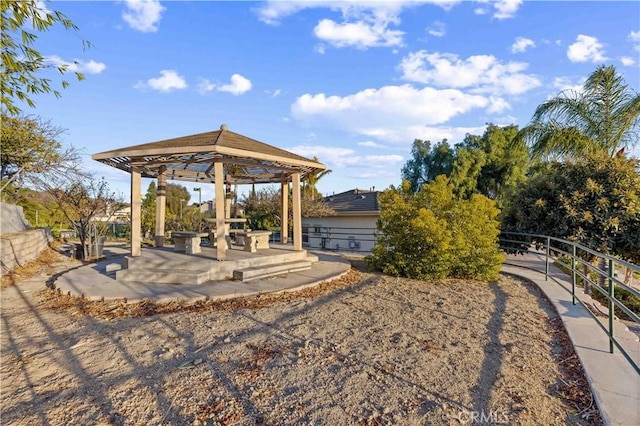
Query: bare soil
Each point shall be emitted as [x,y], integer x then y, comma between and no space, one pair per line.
[368,349]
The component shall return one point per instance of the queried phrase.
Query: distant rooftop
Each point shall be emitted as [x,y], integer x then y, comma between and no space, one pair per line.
[355,201]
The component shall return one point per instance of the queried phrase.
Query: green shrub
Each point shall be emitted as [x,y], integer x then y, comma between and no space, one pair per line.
[433,235]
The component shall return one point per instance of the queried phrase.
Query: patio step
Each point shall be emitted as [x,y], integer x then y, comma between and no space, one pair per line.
[264,271]
[162,276]
[184,263]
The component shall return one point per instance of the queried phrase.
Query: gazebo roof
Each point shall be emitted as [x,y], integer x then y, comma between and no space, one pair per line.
[191,158]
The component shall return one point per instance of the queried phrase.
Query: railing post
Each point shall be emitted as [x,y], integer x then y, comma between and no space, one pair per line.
[546,260]
[573,273]
[611,305]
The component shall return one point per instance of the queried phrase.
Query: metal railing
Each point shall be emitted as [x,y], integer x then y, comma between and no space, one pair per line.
[570,255]
[339,239]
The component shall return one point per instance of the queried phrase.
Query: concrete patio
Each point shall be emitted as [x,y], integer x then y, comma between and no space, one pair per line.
[97,281]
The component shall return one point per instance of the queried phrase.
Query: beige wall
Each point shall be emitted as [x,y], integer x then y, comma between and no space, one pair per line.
[342,233]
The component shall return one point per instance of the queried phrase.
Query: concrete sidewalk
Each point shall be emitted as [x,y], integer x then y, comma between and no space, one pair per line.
[614,381]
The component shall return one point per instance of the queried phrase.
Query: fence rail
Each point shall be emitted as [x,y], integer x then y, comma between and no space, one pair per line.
[596,270]
[340,239]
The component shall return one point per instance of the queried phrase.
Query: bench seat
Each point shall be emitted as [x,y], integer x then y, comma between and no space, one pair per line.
[254,240]
[188,242]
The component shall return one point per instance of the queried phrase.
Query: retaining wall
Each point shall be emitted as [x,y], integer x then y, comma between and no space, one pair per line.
[12,219]
[18,243]
[20,248]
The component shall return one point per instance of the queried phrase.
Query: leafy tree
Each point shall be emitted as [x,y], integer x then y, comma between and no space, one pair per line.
[82,199]
[148,217]
[426,163]
[602,118]
[594,201]
[30,146]
[39,208]
[432,234]
[175,193]
[263,207]
[310,207]
[492,164]
[466,170]
[495,162]
[21,62]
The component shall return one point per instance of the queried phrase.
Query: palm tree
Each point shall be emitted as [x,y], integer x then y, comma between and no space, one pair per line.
[603,118]
[310,184]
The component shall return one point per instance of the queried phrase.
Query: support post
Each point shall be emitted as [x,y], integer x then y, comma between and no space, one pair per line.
[221,245]
[136,209]
[161,203]
[297,213]
[284,211]
[573,273]
[227,201]
[611,305]
[546,260]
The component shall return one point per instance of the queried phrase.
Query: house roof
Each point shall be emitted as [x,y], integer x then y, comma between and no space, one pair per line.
[192,158]
[355,201]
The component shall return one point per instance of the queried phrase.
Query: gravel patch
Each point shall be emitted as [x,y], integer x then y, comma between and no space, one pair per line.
[368,350]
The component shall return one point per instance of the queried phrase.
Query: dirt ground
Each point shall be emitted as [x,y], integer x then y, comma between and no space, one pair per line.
[368,350]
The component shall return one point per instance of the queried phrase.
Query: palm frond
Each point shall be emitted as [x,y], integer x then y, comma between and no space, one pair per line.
[602,118]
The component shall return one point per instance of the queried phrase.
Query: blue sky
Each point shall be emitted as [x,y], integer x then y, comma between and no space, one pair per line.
[353,83]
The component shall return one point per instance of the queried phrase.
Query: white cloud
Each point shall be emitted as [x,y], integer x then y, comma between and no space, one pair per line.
[393,114]
[168,81]
[360,34]
[364,24]
[238,85]
[205,86]
[505,9]
[143,15]
[437,29]
[371,144]
[497,104]
[91,67]
[522,44]
[452,134]
[343,157]
[41,9]
[273,93]
[634,36]
[480,11]
[586,49]
[568,84]
[627,61]
[406,134]
[404,105]
[273,11]
[479,73]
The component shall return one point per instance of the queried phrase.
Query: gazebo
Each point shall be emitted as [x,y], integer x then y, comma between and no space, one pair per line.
[221,157]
